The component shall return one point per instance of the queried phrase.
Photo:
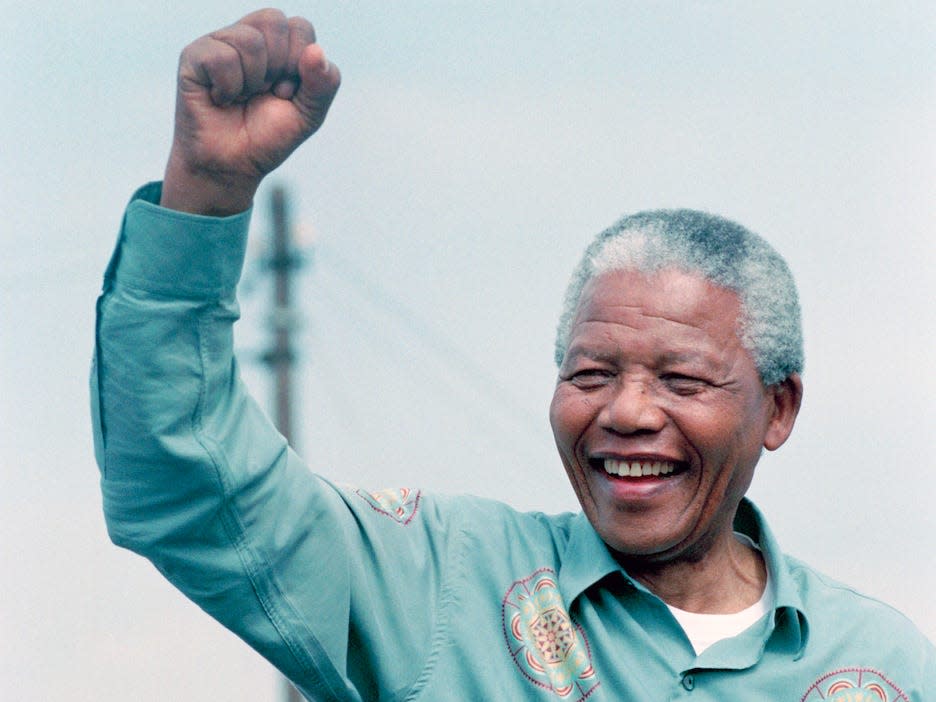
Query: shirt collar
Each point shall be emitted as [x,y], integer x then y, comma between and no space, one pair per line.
[789,610]
[587,560]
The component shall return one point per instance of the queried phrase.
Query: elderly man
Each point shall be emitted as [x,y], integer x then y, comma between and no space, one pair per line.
[679,355]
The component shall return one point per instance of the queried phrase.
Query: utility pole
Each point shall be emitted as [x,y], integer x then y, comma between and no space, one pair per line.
[283,262]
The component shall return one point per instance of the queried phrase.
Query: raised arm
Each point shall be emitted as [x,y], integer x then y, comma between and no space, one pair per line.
[248,95]
[194,476]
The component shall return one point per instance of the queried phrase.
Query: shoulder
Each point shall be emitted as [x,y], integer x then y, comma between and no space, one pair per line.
[857,641]
[835,611]
[824,595]
[842,616]
[495,521]
[485,523]
[498,538]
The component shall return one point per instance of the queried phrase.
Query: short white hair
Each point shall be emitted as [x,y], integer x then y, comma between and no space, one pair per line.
[722,252]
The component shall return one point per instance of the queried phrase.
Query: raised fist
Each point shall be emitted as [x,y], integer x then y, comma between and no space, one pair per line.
[248,95]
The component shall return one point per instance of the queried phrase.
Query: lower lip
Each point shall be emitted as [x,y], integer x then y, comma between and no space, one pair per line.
[637,488]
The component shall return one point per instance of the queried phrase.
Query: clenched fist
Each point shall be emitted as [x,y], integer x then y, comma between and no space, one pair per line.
[248,95]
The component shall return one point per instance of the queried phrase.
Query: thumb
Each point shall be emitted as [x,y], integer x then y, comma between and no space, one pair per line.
[319,79]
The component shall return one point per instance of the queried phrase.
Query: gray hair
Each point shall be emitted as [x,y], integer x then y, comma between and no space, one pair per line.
[722,252]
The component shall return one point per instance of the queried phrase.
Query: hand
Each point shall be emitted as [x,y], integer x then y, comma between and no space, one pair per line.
[248,96]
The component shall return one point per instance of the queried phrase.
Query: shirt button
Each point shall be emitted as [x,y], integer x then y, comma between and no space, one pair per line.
[688,682]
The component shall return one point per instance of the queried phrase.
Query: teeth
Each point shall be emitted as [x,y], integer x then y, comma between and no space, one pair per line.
[636,469]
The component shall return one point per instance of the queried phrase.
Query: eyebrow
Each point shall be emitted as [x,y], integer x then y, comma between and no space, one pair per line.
[684,357]
[670,358]
[590,353]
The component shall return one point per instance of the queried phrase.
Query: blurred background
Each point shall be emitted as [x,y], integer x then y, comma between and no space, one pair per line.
[473,150]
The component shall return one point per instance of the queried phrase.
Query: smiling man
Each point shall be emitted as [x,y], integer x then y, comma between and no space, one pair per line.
[662,410]
[679,353]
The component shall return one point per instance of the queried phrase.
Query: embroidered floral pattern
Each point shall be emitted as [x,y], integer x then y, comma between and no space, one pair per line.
[400,504]
[549,648]
[854,685]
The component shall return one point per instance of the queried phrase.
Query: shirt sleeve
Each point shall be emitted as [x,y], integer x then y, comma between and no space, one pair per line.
[196,479]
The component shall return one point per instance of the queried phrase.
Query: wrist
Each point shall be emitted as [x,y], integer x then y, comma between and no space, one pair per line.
[202,192]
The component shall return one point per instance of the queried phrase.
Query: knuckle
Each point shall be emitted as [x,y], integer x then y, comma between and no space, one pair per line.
[279,24]
[220,57]
[242,38]
[270,15]
[302,26]
[197,49]
[269,22]
[254,43]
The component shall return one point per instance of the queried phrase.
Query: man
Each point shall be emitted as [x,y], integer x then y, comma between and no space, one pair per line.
[679,357]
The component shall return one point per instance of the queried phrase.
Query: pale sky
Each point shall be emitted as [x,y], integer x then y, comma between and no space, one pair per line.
[472,152]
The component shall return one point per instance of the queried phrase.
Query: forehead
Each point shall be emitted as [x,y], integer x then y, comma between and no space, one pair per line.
[668,303]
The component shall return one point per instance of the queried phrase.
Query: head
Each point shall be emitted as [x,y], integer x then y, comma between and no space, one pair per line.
[718,250]
[679,353]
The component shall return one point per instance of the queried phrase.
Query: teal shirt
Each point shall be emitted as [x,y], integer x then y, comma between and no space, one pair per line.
[399,595]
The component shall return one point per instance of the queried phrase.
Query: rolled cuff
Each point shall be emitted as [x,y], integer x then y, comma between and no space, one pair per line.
[177,254]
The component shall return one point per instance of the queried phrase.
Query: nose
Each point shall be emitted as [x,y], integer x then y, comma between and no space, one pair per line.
[633,409]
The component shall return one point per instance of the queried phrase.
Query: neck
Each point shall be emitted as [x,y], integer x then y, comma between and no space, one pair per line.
[728,578]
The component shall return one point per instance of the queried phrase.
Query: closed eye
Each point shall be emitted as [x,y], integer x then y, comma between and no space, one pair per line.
[590,378]
[684,384]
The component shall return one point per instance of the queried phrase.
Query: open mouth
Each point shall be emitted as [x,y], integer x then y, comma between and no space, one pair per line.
[639,468]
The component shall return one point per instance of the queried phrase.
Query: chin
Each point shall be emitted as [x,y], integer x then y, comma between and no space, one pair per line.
[632,541]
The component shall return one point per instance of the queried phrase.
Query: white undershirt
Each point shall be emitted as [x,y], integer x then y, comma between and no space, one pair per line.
[703,630]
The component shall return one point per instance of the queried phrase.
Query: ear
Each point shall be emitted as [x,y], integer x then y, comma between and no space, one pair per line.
[785,398]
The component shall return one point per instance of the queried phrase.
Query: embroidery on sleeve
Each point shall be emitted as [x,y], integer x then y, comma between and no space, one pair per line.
[548,647]
[400,504]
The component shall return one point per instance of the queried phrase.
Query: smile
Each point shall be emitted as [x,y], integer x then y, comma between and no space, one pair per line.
[637,469]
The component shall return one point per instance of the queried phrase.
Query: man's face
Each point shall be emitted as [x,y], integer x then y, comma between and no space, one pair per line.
[655,381]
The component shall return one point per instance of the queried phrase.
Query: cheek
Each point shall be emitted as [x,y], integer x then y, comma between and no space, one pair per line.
[744,428]
[712,432]
[558,420]
[727,442]
[569,417]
